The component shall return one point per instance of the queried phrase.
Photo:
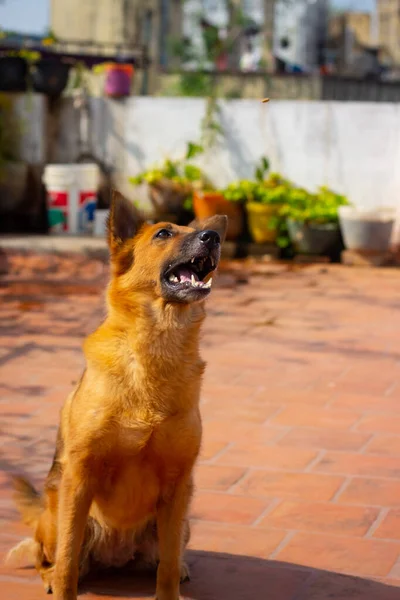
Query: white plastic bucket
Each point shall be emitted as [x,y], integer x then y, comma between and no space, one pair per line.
[71,197]
[367,228]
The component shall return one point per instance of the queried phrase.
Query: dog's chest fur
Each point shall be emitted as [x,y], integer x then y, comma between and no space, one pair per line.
[136,454]
[136,416]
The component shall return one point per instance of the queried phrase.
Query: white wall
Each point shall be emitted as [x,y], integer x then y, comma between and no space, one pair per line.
[352,147]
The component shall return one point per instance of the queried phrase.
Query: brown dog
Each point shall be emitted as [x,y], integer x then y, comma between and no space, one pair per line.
[121,479]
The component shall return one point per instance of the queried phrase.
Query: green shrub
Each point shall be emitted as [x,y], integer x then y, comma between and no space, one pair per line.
[321,207]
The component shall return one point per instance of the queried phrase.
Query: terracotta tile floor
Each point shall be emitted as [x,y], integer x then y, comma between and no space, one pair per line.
[299,480]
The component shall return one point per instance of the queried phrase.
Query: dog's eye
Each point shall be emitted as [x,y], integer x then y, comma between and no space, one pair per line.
[163,234]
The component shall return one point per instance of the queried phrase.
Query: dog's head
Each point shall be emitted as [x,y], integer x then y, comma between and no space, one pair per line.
[170,262]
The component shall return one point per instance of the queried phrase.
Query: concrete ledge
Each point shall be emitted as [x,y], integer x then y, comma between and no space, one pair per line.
[93,247]
[96,247]
[358,258]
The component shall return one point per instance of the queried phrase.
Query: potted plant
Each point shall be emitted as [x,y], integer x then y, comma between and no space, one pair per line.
[50,76]
[207,203]
[118,78]
[264,210]
[172,183]
[368,230]
[263,199]
[313,220]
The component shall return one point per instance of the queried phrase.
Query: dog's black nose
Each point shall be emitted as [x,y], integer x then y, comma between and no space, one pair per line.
[209,238]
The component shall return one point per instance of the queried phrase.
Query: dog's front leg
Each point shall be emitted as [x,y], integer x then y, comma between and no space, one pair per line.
[74,505]
[170,520]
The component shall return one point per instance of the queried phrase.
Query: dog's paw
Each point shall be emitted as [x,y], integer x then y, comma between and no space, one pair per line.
[47,578]
[185,573]
[48,588]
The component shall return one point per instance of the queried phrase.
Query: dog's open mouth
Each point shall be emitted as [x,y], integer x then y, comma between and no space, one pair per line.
[191,274]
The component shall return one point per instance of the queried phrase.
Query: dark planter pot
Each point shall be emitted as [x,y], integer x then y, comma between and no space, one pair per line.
[50,77]
[315,238]
[13,74]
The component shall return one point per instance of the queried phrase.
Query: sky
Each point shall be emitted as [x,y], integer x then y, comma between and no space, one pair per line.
[32,16]
[355,5]
[25,16]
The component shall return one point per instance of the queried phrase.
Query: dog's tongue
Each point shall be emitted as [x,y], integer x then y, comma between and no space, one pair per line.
[184,274]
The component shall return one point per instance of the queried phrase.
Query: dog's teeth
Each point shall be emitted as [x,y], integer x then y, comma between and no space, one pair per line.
[212,262]
[173,278]
[192,261]
[209,283]
[193,281]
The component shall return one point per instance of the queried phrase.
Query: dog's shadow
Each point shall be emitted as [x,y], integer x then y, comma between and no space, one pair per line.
[232,577]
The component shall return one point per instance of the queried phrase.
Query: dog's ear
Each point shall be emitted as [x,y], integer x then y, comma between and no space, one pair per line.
[218,223]
[124,221]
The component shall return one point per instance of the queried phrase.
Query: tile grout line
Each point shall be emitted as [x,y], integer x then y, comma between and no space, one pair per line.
[374,526]
[286,540]
[294,498]
[241,479]
[391,388]
[341,489]
[362,449]
[353,427]
[277,412]
[317,459]
[270,508]
[299,471]
[285,431]
[394,569]
[213,459]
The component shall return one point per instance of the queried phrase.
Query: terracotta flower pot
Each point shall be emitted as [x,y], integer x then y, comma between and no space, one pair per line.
[208,204]
[259,217]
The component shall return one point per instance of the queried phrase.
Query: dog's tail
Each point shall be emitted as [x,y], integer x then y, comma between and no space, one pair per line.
[26,551]
[28,501]
[29,504]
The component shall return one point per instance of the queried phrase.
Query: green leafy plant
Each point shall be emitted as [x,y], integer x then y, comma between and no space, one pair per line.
[179,171]
[270,190]
[262,169]
[193,150]
[179,175]
[321,207]
[291,202]
[211,128]
[240,191]
[305,207]
[275,191]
